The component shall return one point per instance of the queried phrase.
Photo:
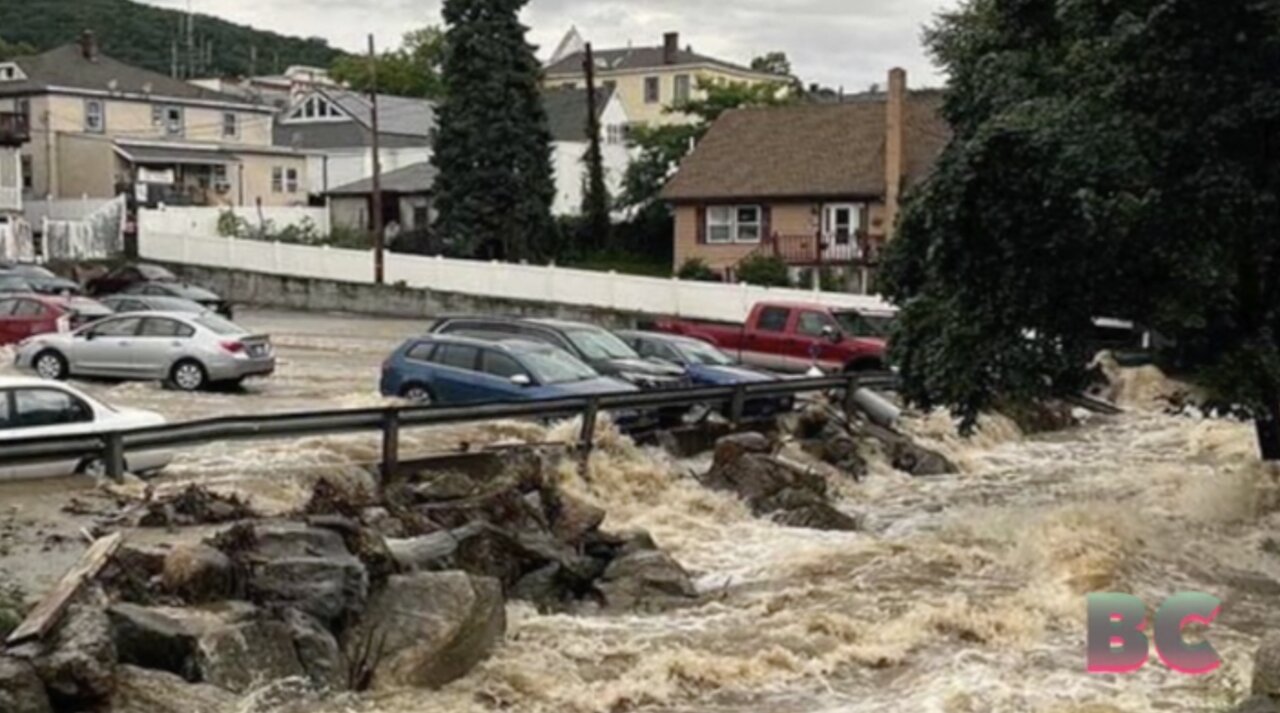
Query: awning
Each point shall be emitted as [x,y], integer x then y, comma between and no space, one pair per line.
[165,156]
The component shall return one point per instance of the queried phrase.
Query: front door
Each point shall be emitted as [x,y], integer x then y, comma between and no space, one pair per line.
[840,223]
[106,349]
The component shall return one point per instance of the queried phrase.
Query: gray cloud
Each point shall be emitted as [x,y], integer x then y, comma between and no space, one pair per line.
[840,43]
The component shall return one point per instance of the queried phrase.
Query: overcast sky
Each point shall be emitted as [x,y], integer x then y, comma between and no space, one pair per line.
[840,43]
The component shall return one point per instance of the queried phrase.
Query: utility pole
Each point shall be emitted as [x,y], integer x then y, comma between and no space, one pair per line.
[378,233]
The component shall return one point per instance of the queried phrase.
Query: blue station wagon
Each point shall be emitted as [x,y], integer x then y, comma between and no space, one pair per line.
[458,370]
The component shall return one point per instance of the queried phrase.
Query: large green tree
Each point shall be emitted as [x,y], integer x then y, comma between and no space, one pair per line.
[492,144]
[412,70]
[1110,158]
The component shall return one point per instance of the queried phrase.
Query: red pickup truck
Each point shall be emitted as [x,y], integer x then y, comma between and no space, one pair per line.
[788,336]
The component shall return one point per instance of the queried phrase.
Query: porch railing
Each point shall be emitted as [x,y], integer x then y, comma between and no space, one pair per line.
[816,248]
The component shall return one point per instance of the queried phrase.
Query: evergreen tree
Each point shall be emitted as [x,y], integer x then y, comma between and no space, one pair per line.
[492,144]
[595,196]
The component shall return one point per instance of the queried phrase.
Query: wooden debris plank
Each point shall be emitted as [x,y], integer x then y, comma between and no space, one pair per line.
[41,620]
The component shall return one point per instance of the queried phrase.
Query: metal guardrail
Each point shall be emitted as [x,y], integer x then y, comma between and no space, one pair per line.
[113,448]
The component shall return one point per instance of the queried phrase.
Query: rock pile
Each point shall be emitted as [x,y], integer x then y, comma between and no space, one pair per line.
[789,493]
[407,588]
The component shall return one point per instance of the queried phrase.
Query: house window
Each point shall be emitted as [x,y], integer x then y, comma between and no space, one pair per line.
[652,90]
[616,134]
[421,217]
[682,88]
[157,115]
[95,116]
[291,180]
[733,224]
[610,85]
[8,72]
[277,180]
[23,106]
[230,125]
[220,182]
[28,181]
[173,122]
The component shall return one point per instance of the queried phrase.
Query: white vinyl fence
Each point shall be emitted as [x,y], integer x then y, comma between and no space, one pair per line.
[657,296]
[16,241]
[196,220]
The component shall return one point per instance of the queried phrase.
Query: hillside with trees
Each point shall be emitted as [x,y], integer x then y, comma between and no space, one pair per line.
[146,36]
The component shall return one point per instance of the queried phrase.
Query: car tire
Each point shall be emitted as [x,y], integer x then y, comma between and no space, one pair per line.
[92,467]
[188,375]
[50,364]
[418,393]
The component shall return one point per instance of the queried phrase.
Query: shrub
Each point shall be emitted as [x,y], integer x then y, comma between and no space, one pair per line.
[764,271]
[697,269]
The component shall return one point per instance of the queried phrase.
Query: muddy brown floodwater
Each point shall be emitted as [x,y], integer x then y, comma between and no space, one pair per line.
[963,594]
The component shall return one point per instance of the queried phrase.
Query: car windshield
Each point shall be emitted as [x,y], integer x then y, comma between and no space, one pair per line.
[599,344]
[35,271]
[552,366]
[703,354]
[218,325]
[174,304]
[10,283]
[858,324]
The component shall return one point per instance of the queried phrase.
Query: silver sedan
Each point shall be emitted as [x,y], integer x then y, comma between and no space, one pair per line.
[188,351]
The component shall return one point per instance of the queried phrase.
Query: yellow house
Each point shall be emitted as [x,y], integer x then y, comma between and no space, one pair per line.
[99,127]
[649,80]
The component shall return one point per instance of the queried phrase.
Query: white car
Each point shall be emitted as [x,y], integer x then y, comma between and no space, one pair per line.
[34,408]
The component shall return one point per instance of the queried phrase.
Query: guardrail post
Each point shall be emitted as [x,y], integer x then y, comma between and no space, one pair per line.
[390,443]
[738,405]
[849,391]
[114,456]
[589,416]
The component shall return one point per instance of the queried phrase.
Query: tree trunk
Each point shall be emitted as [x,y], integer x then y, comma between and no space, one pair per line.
[1267,425]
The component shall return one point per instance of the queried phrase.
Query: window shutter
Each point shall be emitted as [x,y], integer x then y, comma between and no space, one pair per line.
[766,223]
[702,225]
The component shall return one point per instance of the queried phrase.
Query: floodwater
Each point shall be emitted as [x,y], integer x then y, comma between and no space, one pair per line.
[964,594]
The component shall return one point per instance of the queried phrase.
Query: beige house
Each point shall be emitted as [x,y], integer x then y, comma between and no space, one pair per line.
[648,80]
[817,185]
[99,127]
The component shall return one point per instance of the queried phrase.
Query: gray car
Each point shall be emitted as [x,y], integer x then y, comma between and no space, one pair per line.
[152,303]
[188,351]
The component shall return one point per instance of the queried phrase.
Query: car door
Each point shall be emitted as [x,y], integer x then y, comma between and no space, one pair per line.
[30,317]
[809,344]
[105,348]
[160,342]
[766,344]
[42,411]
[456,380]
[497,369]
[8,326]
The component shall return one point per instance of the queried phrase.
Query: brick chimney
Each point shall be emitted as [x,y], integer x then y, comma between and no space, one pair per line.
[894,147]
[670,47]
[89,46]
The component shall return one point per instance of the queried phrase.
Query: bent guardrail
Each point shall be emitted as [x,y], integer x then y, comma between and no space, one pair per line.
[113,448]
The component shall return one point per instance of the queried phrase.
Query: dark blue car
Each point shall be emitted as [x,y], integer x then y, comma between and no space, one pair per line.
[706,365]
[458,370]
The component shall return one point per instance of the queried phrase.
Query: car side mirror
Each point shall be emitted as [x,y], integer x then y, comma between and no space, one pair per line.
[87,336]
[521,380]
[832,334]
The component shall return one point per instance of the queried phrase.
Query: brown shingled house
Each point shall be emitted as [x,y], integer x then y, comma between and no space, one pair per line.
[817,185]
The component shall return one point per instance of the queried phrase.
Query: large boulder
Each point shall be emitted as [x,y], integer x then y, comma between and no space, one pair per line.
[140,690]
[241,657]
[426,629]
[198,573]
[78,661]
[306,568]
[645,579]
[318,651]
[154,639]
[20,688]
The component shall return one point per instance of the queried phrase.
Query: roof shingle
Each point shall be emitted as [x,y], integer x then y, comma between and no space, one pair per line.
[567,111]
[66,66]
[807,151]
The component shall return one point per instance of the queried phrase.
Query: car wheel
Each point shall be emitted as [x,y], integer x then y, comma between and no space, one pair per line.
[50,365]
[418,394]
[188,375]
[92,467]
